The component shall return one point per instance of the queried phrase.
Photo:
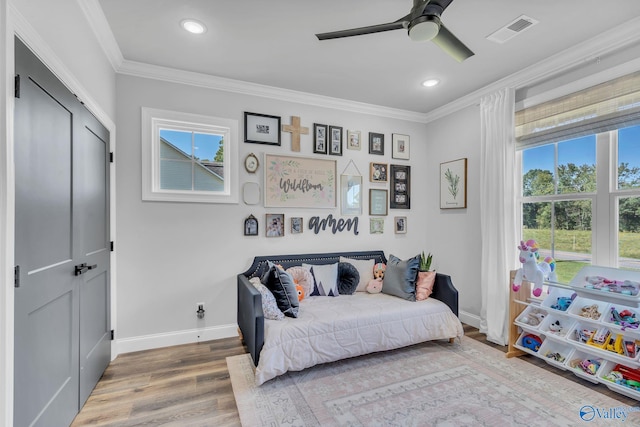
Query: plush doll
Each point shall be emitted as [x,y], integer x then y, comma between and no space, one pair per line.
[532,270]
[300,290]
[375,286]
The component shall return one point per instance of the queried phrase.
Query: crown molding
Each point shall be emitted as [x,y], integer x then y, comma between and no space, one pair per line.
[173,75]
[98,22]
[610,41]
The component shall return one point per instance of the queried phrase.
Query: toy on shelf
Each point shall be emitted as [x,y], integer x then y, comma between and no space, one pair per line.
[584,335]
[556,328]
[590,312]
[625,319]
[532,342]
[533,317]
[588,366]
[624,287]
[555,356]
[532,270]
[563,303]
[624,376]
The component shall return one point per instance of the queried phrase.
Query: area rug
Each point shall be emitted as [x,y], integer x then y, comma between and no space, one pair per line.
[431,384]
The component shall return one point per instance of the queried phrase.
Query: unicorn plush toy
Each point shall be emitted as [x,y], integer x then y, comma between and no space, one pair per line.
[532,270]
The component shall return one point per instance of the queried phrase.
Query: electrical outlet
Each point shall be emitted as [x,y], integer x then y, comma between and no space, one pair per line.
[200,310]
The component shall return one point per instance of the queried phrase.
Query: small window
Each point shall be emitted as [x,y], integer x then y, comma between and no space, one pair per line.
[188,157]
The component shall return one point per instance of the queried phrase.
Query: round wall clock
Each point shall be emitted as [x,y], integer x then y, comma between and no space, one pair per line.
[251,163]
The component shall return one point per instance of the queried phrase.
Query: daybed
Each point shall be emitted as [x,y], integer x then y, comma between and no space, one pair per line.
[333,328]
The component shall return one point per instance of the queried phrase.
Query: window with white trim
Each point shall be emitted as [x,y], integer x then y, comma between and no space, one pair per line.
[188,157]
[580,189]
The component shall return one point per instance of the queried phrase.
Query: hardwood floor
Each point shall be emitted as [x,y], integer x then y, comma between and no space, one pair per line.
[189,385]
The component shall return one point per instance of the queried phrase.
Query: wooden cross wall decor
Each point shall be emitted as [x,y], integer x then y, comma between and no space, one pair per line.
[296,130]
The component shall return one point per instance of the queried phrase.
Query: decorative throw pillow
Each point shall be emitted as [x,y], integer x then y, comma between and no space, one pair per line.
[280,283]
[400,277]
[325,279]
[424,284]
[303,277]
[365,270]
[348,278]
[269,307]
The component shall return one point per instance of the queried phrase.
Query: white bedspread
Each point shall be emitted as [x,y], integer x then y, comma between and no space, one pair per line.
[334,328]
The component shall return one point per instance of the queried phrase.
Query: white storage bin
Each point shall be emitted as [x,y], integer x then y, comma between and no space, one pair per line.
[556,326]
[588,309]
[581,332]
[556,353]
[603,375]
[531,318]
[621,310]
[578,360]
[557,299]
[524,338]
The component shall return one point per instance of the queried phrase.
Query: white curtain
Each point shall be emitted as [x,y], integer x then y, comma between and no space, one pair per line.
[497,211]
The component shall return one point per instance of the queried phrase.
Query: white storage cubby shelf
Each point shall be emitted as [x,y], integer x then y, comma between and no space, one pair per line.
[570,322]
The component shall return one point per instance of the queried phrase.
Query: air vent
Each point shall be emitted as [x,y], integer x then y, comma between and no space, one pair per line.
[512,29]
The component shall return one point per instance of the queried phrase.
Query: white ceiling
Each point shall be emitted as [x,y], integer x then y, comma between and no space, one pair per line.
[273,43]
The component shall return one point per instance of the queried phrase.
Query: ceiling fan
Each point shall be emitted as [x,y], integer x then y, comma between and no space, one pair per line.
[423,23]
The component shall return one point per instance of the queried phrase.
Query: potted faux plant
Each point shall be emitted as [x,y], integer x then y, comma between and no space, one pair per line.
[426,277]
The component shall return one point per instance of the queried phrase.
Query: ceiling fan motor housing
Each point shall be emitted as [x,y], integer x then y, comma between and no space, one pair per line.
[424,28]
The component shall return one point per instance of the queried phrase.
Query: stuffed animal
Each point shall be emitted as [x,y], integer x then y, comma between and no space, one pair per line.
[375,286]
[300,290]
[532,270]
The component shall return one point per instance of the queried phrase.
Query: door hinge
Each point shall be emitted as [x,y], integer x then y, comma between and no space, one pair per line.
[110,157]
[113,334]
[16,86]
[16,276]
[112,246]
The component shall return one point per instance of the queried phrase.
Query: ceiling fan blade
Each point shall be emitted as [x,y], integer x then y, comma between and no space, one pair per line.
[452,45]
[397,25]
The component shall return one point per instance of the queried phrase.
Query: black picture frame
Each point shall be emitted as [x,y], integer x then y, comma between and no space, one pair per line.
[320,142]
[251,226]
[262,129]
[376,143]
[335,145]
[400,187]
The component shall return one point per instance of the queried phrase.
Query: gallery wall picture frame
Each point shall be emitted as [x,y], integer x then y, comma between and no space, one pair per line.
[376,143]
[251,226]
[453,184]
[378,172]
[262,129]
[297,225]
[299,182]
[274,225]
[378,201]
[400,224]
[400,186]
[320,138]
[335,134]
[400,146]
[354,140]
[376,225]
[351,191]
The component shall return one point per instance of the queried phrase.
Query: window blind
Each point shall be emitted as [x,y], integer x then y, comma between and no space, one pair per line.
[604,107]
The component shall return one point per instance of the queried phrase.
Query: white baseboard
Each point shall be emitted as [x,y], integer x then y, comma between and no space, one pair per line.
[469,319]
[148,342]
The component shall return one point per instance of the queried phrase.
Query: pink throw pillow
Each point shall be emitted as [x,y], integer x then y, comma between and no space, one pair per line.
[424,284]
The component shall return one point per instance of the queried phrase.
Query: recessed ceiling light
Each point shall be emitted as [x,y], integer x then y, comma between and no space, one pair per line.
[430,82]
[193,26]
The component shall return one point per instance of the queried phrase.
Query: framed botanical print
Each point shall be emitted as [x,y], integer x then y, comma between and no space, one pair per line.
[261,128]
[319,138]
[335,147]
[376,143]
[453,184]
[376,225]
[400,187]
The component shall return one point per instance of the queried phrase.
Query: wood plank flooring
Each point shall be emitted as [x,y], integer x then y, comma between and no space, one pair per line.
[189,385]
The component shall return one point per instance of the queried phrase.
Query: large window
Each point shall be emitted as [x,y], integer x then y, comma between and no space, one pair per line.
[188,157]
[581,200]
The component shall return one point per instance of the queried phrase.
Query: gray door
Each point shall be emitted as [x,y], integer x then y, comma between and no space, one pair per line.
[61,311]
